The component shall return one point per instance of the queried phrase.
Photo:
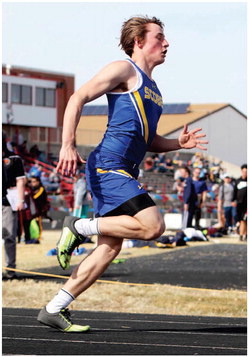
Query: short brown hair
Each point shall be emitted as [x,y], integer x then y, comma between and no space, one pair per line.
[186,168]
[135,27]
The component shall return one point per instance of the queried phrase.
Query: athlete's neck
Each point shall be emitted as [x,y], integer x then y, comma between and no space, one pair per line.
[146,67]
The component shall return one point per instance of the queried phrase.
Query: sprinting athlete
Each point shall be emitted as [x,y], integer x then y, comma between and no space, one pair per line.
[122,207]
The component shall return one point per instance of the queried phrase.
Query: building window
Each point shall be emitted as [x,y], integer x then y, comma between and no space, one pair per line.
[4,92]
[15,93]
[21,94]
[45,97]
[50,98]
[26,95]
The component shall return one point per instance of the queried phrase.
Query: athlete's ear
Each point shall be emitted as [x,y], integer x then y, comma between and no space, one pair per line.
[138,42]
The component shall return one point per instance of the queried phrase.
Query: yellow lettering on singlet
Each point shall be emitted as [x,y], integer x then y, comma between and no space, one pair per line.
[150,94]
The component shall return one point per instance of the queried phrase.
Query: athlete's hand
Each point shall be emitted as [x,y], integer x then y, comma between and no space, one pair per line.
[190,139]
[68,160]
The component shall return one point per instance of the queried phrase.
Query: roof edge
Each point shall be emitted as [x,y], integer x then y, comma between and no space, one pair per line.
[31,69]
[207,114]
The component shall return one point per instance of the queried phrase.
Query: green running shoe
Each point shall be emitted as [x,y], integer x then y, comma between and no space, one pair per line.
[69,240]
[61,321]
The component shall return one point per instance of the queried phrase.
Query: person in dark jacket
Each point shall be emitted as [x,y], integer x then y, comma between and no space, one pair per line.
[189,197]
[201,191]
[240,201]
[39,196]
[13,183]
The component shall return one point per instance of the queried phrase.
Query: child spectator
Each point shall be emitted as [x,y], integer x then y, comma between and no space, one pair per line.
[39,196]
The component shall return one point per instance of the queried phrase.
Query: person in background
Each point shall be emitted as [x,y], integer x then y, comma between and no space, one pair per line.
[35,170]
[148,164]
[26,216]
[23,149]
[189,198]
[54,177]
[240,201]
[201,191]
[169,165]
[225,197]
[80,193]
[39,196]
[13,182]
[34,151]
[176,159]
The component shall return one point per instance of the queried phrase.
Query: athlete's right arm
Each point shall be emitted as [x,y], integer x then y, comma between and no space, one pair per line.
[106,80]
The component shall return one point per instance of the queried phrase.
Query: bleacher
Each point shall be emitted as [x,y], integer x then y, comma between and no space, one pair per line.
[162,182]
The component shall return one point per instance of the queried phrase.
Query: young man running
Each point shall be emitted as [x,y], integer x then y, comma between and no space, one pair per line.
[122,207]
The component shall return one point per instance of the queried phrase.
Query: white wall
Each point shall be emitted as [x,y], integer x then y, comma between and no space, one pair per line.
[29,114]
[227,135]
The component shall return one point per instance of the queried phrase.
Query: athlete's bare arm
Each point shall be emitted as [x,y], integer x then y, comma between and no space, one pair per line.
[186,140]
[118,76]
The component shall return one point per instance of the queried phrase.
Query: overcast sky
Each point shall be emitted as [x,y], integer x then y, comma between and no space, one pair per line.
[206,60]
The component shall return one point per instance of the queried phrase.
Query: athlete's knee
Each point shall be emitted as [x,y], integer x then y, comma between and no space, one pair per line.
[154,231]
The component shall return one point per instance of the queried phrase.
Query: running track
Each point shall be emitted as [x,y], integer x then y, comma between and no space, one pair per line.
[124,334]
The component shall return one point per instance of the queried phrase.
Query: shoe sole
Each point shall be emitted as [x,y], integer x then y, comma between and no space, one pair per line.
[65,331]
[64,236]
[67,228]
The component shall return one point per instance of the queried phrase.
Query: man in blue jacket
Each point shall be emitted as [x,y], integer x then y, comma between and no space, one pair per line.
[189,198]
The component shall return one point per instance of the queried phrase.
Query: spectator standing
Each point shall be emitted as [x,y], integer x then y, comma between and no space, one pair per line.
[225,198]
[240,200]
[13,184]
[189,198]
[201,191]
[26,216]
[80,193]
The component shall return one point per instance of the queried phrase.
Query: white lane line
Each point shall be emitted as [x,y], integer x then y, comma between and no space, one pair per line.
[124,343]
[120,329]
[143,321]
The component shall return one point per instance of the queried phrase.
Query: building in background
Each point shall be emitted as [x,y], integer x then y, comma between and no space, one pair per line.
[33,104]
[225,126]
[34,101]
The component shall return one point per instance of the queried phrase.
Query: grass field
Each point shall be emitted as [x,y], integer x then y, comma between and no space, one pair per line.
[155,299]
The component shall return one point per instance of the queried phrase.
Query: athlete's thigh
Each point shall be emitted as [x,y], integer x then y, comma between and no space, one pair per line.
[150,217]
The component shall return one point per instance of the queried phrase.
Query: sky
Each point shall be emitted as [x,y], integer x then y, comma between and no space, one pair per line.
[206,59]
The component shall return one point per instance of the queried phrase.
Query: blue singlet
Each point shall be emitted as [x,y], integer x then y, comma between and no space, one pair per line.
[112,168]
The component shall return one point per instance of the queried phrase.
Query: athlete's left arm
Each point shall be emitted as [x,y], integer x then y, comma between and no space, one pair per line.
[187,140]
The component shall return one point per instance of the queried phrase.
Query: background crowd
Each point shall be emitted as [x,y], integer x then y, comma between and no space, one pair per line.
[196,181]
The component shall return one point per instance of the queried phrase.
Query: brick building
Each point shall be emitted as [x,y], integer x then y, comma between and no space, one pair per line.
[33,104]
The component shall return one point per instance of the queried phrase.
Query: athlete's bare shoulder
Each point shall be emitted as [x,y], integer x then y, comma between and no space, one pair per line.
[124,73]
[121,68]
[118,76]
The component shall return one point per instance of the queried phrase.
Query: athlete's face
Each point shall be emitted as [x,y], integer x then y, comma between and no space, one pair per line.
[154,44]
